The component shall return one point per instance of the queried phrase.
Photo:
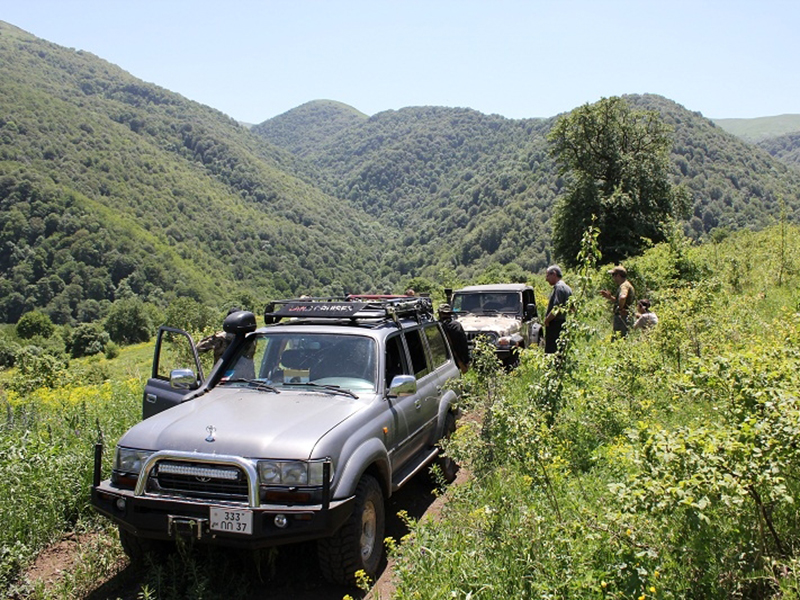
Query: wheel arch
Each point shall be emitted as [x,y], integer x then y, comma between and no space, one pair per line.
[370,458]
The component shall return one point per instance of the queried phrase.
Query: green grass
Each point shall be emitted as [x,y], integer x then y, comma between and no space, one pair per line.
[757,129]
[658,466]
[46,449]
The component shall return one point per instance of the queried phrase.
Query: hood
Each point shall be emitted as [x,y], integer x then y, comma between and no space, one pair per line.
[246,422]
[500,324]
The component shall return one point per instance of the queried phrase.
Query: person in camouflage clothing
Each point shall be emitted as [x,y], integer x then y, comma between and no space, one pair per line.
[217,342]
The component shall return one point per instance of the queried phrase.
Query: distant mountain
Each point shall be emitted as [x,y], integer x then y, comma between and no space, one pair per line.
[463,189]
[471,190]
[305,127]
[761,128]
[784,147]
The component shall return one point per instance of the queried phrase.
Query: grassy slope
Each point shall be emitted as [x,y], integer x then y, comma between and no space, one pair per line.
[760,128]
[668,471]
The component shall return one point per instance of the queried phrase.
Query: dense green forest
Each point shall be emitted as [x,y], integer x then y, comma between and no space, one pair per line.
[784,147]
[479,189]
[114,188]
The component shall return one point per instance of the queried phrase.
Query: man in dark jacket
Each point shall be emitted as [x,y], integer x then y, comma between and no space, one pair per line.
[556,308]
[456,337]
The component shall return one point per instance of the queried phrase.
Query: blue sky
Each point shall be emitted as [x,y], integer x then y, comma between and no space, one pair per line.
[254,59]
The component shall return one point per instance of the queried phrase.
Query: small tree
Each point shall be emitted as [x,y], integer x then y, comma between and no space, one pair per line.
[617,163]
[128,322]
[189,314]
[87,339]
[35,323]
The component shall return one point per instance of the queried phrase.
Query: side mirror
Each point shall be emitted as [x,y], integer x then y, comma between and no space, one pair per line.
[183,379]
[402,385]
[530,311]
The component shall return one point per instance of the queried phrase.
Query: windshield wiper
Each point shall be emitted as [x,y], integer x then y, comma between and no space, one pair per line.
[332,388]
[260,385]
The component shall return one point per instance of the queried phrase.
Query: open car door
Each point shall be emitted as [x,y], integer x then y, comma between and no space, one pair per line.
[177,371]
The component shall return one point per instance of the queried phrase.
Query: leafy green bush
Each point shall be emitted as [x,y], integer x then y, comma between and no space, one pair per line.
[37,369]
[87,339]
[33,324]
[192,316]
[129,322]
[112,350]
[8,352]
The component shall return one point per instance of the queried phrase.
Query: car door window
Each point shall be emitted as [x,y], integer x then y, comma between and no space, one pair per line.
[395,359]
[439,350]
[416,349]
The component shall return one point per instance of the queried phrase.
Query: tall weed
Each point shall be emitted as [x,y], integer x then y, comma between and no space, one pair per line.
[46,442]
[668,469]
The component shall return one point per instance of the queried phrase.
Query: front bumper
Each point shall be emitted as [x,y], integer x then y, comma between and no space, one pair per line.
[165,518]
[161,516]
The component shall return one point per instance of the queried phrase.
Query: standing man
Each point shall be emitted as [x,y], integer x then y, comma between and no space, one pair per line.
[456,336]
[556,308]
[623,299]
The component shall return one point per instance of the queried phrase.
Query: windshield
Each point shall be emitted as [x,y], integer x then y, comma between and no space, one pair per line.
[284,360]
[487,302]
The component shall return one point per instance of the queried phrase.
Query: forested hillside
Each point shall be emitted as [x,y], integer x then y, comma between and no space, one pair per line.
[110,187]
[465,189]
[478,189]
[784,147]
[735,185]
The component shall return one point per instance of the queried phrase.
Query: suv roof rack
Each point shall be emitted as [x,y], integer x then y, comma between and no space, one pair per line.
[354,307]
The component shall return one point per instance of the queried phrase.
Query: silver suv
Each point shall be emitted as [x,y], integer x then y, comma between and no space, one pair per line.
[301,431]
[504,314]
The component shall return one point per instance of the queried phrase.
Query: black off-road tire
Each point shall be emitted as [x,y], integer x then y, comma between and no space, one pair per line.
[137,549]
[447,466]
[358,544]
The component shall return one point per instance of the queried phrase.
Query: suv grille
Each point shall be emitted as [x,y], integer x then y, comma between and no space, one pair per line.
[200,480]
[490,336]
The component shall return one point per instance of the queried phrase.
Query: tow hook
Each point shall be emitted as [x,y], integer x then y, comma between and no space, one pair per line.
[185,526]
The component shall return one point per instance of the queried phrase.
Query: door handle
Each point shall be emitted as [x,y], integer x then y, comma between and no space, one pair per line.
[418,404]
[151,398]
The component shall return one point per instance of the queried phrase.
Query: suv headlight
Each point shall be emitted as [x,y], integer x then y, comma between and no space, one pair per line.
[130,460]
[489,336]
[291,472]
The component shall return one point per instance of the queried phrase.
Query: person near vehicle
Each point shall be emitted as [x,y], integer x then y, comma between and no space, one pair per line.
[217,342]
[556,308]
[622,300]
[456,336]
[645,318]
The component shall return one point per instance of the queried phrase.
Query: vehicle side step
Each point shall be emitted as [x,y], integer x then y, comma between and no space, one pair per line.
[414,466]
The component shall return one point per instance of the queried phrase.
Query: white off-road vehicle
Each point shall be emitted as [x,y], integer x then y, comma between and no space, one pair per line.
[504,314]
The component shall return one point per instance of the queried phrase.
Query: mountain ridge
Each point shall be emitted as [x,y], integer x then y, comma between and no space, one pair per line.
[111,187]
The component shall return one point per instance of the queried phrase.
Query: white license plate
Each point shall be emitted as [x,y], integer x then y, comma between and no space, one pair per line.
[231,520]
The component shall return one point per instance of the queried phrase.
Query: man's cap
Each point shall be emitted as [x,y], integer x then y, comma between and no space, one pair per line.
[445,308]
[618,270]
